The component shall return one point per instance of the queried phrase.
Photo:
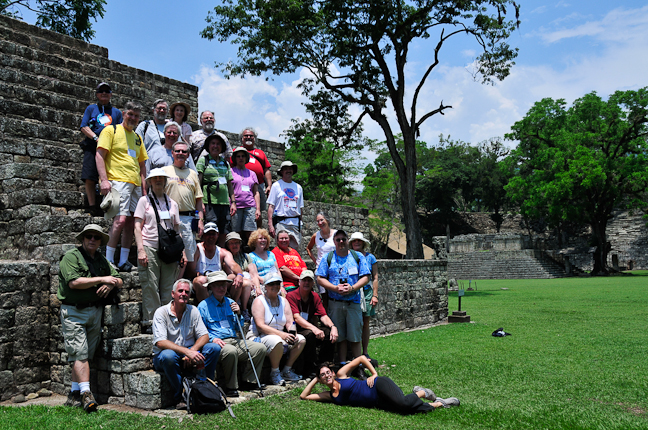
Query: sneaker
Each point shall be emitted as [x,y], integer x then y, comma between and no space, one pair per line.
[181,406]
[74,399]
[450,401]
[290,376]
[429,394]
[246,316]
[88,402]
[373,361]
[126,267]
[276,378]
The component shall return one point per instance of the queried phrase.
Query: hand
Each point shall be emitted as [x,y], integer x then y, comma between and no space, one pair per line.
[219,342]
[319,334]
[195,357]
[235,308]
[370,380]
[374,301]
[257,215]
[142,259]
[289,338]
[259,291]
[104,290]
[271,230]
[201,227]
[343,288]
[267,190]
[334,334]
[232,208]
[105,187]
[182,261]
[237,282]
[110,280]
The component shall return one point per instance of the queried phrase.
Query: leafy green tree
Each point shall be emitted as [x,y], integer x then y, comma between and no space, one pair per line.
[71,17]
[583,162]
[492,175]
[359,49]
[326,148]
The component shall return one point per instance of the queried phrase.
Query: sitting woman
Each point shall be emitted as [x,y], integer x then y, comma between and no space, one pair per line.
[376,392]
[251,281]
[264,260]
[289,261]
[271,315]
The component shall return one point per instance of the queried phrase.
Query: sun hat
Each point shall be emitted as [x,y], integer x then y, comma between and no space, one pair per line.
[216,276]
[287,164]
[96,228]
[272,277]
[158,171]
[233,235]
[110,204]
[359,236]
[183,104]
[241,149]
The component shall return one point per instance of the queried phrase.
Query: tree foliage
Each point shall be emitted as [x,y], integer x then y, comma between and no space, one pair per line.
[70,17]
[583,162]
[359,49]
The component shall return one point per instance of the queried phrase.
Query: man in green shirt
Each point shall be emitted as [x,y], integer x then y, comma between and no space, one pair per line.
[85,277]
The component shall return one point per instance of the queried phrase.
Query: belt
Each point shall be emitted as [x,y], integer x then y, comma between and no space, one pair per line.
[82,305]
[187,213]
[338,300]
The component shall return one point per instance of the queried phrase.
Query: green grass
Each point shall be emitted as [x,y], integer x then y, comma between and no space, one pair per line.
[577,359]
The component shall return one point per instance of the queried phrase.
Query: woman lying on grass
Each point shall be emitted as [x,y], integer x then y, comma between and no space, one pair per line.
[376,392]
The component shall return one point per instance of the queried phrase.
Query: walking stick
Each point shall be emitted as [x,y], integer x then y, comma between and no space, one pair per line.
[249,356]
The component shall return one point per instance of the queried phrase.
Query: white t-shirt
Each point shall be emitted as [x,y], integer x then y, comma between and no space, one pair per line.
[204,264]
[288,200]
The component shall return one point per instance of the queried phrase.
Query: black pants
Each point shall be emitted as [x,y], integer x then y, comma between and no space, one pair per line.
[392,399]
[309,356]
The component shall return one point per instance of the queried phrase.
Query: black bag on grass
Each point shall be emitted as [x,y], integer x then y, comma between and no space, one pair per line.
[204,396]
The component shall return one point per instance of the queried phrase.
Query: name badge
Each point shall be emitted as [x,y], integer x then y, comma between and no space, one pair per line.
[245,188]
[304,315]
[353,270]
[224,324]
[222,180]
[292,204]
[103,119]
[252,160]
[164,215]
[132,153]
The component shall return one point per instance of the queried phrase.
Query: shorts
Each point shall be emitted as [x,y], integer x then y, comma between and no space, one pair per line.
[219,214]
[129,196]
[244,220]
[263,199]
[347,317]
[188,237]
[81,331]
[272,340]
[293,232]
[371,311]
[89,171]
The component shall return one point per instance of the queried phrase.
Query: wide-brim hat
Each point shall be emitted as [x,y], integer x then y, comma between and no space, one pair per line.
[241,149]
[110,204]
[95,228]
[272,277]
[216,276]
[215,136]
[233,235]
[158,171]
[358,236]
[287,164]
[307,274]
[183,104]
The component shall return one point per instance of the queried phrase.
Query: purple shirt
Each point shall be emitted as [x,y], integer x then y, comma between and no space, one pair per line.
[243,181]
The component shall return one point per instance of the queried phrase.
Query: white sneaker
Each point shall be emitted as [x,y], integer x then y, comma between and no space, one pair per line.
[290,376]
[276,378]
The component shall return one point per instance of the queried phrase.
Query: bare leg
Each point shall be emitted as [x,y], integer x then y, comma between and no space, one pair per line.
[342,351]
[115,230]
[275,355]
[127,232]
[81,371]
[294,353]
[201,292]
[356,348]
[90,187]
[245,294]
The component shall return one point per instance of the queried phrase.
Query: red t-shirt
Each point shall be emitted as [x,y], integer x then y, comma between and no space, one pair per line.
[313,307]
[291,260]
[257,166]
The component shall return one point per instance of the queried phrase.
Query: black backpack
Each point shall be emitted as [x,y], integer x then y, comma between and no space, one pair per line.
[204,396]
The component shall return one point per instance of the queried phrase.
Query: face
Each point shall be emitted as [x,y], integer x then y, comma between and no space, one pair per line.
[219,289]
[181,294]
[180,154]
[357,245]
[262,242]
[104,95]
[272,289]
[131,119]
[283,241]
[91,241]
[306,284]
[158,182]
[171,135]
[341,242]
[210,238]
[234,246]
[178,113]
[321,222]
[215,148]
[287,174]
[326,375]
[240,159]
[248,138]
[160,111]
[207,121]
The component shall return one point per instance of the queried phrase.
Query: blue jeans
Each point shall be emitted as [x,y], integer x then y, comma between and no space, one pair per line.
[170,362]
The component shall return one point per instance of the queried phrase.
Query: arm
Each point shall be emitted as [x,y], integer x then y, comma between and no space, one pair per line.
[100,159]
[321,397]
[257,201]
[271,229]
[142,259]
[254,277]
[88,132]
[374,274]
[309,247]
[329,323]
[346,370]
[194,356]
[200,207]
[364,280]
[326,284]
[230,189]
[288,274]
[268,180]
[142,165]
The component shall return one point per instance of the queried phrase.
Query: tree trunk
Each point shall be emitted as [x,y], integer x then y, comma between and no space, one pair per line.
[602,248]
[408,198]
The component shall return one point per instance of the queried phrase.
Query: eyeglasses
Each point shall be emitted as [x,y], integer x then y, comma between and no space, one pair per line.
[174,133]
[181,151]
[341,239]
[326,373]
[93,236]
[161,109]
[104,92]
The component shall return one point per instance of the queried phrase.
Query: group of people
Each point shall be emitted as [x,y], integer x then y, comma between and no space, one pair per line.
[166,185]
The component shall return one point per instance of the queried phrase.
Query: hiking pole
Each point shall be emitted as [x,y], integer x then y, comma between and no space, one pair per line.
[238,322]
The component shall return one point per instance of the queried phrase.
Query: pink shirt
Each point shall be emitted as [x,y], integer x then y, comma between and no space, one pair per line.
[241,178]
[146,213]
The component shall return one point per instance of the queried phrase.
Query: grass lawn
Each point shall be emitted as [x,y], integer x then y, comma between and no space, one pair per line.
[577,359]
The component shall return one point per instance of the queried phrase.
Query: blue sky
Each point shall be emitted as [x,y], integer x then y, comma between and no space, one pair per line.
[567,49]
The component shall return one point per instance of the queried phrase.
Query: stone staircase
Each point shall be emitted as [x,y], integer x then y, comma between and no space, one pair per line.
[518,264]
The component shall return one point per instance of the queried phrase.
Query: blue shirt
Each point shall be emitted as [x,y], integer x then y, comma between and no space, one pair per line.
[97,117]
[219,317]
[356,393]
[371,260]
[342,268]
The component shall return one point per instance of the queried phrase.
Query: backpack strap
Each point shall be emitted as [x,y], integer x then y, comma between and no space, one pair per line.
[227,402]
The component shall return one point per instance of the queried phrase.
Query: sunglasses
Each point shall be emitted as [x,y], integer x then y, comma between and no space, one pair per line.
[93,236]
[181,151]
[341,239]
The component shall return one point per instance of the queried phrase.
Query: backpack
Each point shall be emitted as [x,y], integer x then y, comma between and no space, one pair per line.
[204,396]
[329,257]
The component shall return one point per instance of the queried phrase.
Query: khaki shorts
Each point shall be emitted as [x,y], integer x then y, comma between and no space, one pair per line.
[129,196]
[347,317]
[244,220]
[81,331]
[188,236]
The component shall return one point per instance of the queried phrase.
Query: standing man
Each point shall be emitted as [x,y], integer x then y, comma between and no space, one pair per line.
[85,277]
[285,204]
[259,164]
[344,273]
[121,165]
[312,323]
[218,313]
[180,340]
[183,186]
[198,137]
[162,155]
[152,131]
[95,118]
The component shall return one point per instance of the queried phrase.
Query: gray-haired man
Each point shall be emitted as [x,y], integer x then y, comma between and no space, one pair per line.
[198,137]
[152,131]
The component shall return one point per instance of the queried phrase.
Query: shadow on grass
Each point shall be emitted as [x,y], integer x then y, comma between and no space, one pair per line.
[472,293]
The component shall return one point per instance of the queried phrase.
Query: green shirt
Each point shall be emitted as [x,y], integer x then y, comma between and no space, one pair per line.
[212,170]
[72,267]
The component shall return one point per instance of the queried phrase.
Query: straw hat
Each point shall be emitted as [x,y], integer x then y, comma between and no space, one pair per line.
[217,276]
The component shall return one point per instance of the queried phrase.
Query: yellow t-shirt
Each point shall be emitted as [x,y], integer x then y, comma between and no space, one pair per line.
[183,186]
[125,152]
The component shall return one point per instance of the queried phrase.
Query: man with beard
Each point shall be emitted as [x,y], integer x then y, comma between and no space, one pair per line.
[152,131]
[198,137]
[162,155]
[121,165]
